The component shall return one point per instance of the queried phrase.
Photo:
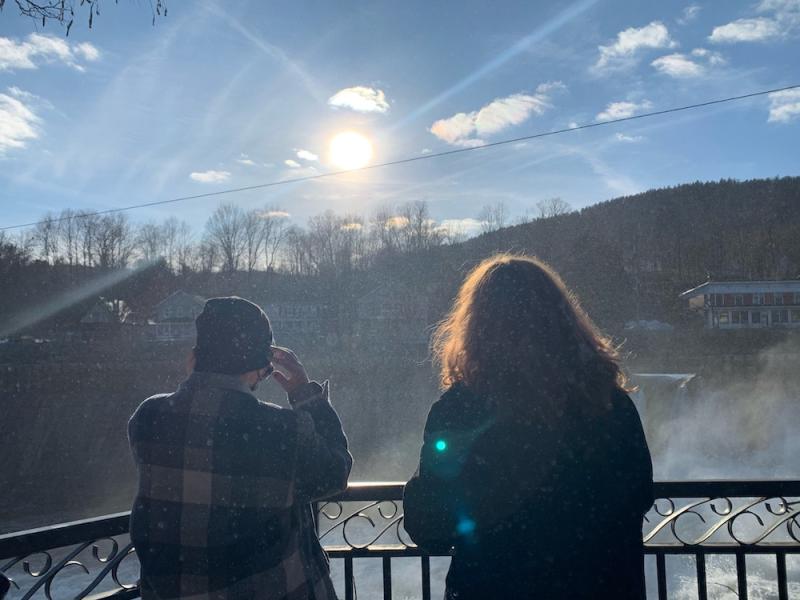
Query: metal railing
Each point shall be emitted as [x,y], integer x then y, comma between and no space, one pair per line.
[712,525]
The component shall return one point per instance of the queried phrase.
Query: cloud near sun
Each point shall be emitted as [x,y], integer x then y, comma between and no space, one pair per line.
[469,129]
[360,99]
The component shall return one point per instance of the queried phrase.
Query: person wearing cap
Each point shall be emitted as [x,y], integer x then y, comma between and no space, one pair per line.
[226,482]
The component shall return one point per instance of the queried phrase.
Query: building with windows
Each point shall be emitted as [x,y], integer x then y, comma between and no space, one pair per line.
[173,318]
[746,304]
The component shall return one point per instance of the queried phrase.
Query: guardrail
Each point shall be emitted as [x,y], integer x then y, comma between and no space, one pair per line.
[719,526]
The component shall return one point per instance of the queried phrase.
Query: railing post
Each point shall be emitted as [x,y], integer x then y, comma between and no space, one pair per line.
[741,575]
[783,586]
[702,583]
[426,577]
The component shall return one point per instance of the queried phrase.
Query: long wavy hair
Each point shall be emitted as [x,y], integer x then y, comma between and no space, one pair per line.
[518,336]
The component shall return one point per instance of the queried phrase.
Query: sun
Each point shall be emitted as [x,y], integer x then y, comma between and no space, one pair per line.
[350,150]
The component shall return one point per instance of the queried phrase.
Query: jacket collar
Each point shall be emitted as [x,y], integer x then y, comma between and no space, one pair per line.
[203,379]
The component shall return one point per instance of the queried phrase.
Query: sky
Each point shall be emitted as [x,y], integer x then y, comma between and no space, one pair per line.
[221,95]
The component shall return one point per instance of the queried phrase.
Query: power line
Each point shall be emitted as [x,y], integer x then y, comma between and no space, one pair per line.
[403,161]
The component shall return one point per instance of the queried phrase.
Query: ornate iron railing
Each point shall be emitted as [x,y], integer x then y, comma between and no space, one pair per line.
[725,534]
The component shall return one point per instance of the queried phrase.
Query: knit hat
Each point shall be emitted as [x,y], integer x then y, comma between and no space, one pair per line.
[233,337]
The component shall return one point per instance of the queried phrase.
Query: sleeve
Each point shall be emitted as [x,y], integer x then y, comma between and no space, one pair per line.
[323,460]
[641,465]
[433,496]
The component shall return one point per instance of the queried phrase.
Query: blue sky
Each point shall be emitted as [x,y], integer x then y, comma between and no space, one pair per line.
[222,94]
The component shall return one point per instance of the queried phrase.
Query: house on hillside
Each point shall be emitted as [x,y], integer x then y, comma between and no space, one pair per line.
[746,304]
[173,318]
[293,318]
[393,313]
[106,313]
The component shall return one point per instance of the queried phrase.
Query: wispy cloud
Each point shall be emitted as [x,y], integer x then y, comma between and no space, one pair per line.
[244,159]
[38,49]
[210,176]
[782,19]
[468,129]
[274,214]
[292,164]
[360,99]
[630,43]
[784,106]
[631,139]
[689,14]
[18,122]
[306,155]
[746,30]
[622,110]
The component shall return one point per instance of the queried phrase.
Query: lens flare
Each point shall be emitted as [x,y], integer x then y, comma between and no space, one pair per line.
[350,150]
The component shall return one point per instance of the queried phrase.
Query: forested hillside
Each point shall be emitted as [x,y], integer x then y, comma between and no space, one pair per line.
[626,258]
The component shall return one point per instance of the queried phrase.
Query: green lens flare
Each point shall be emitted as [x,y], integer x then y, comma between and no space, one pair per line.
[441,445]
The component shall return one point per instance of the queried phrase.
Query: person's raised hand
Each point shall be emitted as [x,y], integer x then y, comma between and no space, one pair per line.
[289,371]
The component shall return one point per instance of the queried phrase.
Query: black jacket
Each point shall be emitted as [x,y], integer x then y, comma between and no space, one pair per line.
[532,511]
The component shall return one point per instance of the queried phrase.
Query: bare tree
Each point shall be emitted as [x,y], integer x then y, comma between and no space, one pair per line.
[274,225]
[114,241]
[46,236]
[552,207]
[253,232]
[419,232]
[150,242]
[492,217]
[225,230]
[63,11]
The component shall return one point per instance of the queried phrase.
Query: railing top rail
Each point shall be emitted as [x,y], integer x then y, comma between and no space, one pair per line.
[63,534]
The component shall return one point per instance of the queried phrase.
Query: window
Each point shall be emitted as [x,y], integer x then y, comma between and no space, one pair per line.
[719,300]
[758,299]
[777,298]
[780,317]
[738,300]
[796,298]
[723,318]
[796,316]
[739,317]
[755,318]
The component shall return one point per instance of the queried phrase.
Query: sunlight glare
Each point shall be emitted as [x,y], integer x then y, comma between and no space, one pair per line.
[350,150]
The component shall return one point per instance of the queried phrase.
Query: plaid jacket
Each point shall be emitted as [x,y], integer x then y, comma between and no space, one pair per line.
[223,509]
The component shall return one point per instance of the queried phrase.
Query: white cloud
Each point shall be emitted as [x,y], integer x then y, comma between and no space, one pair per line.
[274,214]
[784,106]
[244,159]
[306,155]
[467,227]
[678,65]
[713,58]
[689,14]
[352,227]
[18,122]
[468,129]
[572,125]
[630,42]
[292,164]
[210,176]
[622,110]
[426,151]
[396,222]
[360,99]
[783,21]
[621,137]
[39,48]
[746,30]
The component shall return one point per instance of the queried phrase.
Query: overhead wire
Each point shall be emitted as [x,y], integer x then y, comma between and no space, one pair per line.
[407,160]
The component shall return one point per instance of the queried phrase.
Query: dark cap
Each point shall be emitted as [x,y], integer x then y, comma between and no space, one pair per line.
[233,337]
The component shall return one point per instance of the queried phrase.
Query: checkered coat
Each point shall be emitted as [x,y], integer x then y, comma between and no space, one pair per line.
[223,508]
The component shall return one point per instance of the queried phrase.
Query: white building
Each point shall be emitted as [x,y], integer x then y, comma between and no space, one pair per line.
[747,304]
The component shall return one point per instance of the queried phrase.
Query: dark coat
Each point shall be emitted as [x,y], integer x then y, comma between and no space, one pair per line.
[531,511]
